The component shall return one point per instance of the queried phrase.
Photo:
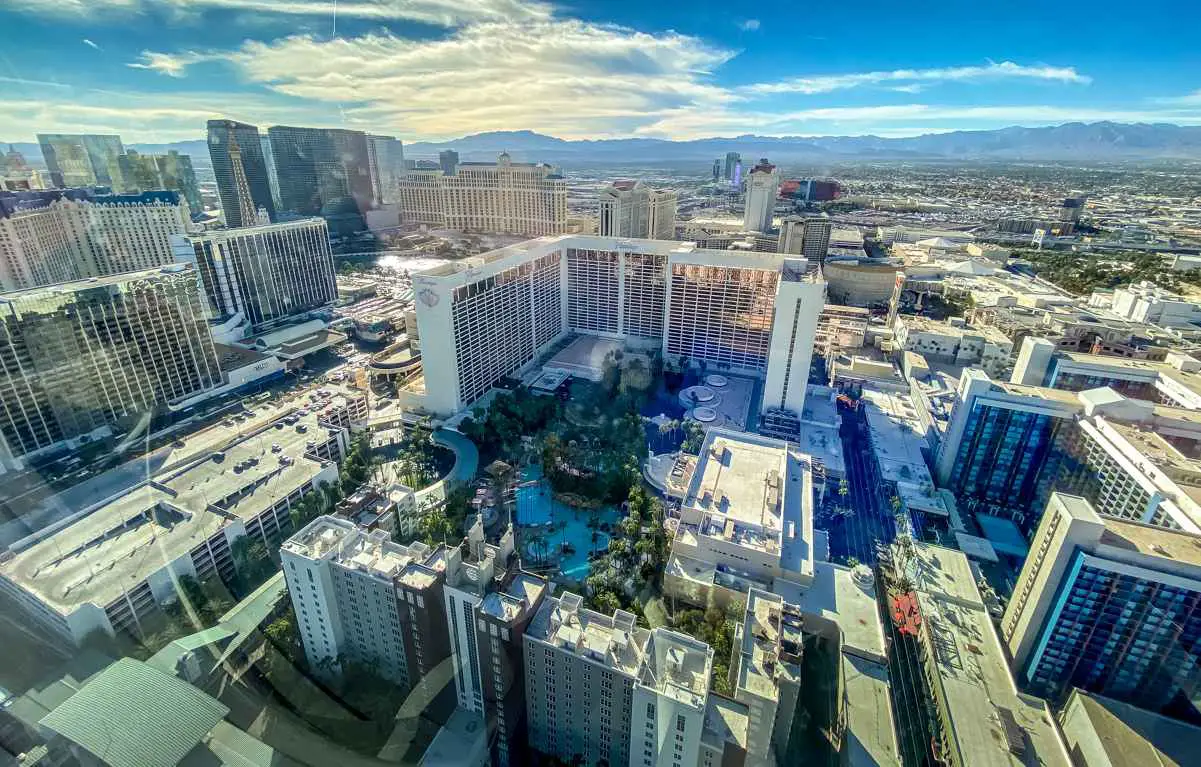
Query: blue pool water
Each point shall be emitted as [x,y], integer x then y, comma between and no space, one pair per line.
[536,506]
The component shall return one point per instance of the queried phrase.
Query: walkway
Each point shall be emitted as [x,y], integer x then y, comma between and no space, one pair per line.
[871,522]
[467,461]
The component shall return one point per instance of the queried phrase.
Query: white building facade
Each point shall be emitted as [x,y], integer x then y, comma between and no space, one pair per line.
[762,188]
[630,209]
[485,318]
[67,239]
[503,197]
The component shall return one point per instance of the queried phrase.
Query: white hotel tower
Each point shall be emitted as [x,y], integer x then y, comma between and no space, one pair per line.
[491,316]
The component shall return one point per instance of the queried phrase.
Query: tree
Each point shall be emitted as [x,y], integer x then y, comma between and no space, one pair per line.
[281,632]
[636,376]
[694,437]
[252,563]
[605,602]
[618,547]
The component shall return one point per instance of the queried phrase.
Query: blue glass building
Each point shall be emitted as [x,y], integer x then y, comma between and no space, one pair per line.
[1109,606]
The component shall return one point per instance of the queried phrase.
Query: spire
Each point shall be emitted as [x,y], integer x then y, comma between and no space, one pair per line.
[246,212]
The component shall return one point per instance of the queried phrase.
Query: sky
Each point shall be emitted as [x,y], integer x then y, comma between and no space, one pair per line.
[156,70]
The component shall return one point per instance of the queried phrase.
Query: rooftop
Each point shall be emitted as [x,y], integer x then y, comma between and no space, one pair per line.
[848,598]
[1152,541]
[725,722]
[677,666]
[755,492]
[343,543]
[521,593]
[991,723]
[99,553]
[91,283]
[871,737]
[771,644]
[614,641]
[1130,736]
[133,715]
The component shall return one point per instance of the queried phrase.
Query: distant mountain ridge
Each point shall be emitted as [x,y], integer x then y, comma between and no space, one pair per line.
[1072,142]
[1102,141]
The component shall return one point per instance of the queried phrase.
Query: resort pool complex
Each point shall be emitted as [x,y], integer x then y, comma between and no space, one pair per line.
[553,533]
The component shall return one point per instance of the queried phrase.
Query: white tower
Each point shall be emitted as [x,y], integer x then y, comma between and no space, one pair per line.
[762,187]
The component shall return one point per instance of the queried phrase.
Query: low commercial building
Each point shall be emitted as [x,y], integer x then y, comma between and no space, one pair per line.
[841,617]
[746,520]
[840,329]
[1108,606]
[110,566]
[1149,303]
[979,717]
[106,721]
[860,281]
[954,342]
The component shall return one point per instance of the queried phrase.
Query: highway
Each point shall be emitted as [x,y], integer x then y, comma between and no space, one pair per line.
[871,520]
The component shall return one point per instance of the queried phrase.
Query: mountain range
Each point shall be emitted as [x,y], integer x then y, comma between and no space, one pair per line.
[1070,142]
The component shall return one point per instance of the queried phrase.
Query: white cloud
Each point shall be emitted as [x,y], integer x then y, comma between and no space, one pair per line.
[448,13]
[171,64]
[1189,99]
[750,25]
[24,81]
[991,71]
[91,44]
[570,78]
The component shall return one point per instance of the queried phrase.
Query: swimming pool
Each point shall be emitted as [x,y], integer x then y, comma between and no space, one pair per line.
[536,507]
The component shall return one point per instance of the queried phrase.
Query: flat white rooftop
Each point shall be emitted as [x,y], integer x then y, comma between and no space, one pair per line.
[111,547]
[757,493]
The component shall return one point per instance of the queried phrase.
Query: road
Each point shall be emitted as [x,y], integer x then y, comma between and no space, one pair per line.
[871,520]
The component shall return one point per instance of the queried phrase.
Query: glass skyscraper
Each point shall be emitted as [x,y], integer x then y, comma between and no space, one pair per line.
[324,172]
[79,159]
[1006,445]
[79,357]
[224,136]
[1009,457]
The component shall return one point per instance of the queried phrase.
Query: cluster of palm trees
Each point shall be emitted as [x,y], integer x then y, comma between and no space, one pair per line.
[637,553]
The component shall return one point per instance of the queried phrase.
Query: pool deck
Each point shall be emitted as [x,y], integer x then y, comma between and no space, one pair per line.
[536,506]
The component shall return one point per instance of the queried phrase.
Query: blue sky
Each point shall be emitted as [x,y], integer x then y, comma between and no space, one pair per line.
[155,70]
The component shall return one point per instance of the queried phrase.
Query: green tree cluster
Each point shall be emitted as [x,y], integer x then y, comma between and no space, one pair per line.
[1082,273]
[638,546]
[498,431]
[715,627]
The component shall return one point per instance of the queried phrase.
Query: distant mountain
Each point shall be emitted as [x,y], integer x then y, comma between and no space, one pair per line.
[1102,141]
[1071,142]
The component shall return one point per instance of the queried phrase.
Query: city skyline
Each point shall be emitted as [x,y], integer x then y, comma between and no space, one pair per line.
[425,70]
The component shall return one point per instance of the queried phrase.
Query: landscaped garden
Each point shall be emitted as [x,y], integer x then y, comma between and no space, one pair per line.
[581,513]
